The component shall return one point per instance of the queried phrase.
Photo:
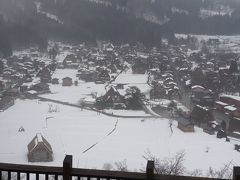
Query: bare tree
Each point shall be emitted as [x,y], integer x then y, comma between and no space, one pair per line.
[224,173]
[168,166]
[52,109]
[196,173]
[121,165]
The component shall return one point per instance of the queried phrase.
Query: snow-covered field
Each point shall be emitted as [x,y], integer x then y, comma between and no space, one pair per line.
[72,131]
[139,80]
[74,93]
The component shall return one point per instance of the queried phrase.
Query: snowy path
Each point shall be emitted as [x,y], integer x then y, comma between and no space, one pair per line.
[112,131]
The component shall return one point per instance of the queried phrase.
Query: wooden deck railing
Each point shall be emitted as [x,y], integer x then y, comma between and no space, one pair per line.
[15,171]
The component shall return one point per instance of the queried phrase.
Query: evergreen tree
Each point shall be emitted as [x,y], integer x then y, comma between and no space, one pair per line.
[1,66]
[233,67]
[134,98]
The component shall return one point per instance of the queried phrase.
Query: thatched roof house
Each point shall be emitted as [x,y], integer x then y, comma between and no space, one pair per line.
[39,150]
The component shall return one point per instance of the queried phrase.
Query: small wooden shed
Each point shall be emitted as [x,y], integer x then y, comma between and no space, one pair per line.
[39,150]
[67,81]
[185,125]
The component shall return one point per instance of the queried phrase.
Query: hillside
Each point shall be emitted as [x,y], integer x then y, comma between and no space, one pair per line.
[27,22]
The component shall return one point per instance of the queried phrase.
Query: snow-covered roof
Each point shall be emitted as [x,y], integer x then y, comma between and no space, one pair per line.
[202,107]
[221,103]
[231,96]
[197,86]
[188,82]
[32,92]
[230,108]
[38,139]
[172,83]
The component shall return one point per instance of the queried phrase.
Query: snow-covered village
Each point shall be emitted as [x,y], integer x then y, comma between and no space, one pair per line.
[119,89]
[108,105]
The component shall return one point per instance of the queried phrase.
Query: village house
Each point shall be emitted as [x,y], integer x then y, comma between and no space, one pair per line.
[120,86]
[213,42]
[201,115]
[139,68]
[45,75]
[24,87]
[232,111]
[6,102]
[39,150]
[231,100]
[67,81]
[113,99]
[219,105]
[234,127]
[55,81]
[102,77]
[197,90]
[71,61]
[31,94]
[108,47]
[7,73]
[40,88]
[87,75]
[201,96]
[11,92]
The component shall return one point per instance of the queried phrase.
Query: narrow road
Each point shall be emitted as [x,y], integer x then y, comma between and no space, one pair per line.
[92,109]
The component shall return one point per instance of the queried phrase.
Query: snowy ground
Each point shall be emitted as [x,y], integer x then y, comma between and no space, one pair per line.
[72,131]
[73,93]
[139,80]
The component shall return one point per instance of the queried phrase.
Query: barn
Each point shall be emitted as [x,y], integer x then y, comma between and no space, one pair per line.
[39,150]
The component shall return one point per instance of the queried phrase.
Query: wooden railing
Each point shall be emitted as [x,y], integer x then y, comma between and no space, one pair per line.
[15,171]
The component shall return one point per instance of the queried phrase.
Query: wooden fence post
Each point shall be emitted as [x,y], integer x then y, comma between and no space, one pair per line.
[67,167]
[150,170]
[236,173]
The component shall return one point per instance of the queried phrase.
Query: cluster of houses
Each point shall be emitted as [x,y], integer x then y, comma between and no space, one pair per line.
[206,78]
[200,81]
[197,80]
[94,64]
[24,74]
